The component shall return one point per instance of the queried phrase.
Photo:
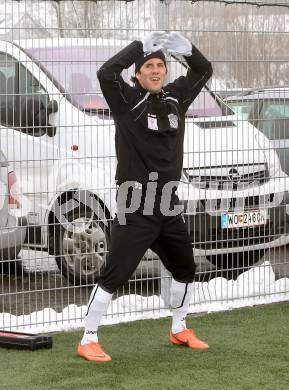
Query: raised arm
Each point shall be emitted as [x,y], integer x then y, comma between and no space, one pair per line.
[199,72]
[115,90]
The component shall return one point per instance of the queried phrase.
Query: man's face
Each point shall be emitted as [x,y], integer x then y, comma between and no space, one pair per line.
[152,74]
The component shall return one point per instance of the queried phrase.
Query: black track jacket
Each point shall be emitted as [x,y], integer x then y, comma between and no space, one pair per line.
[150,127]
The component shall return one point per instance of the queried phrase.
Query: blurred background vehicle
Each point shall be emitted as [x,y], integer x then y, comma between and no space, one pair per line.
[268,110]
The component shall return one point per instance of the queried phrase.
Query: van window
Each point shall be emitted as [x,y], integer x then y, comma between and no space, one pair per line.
[242,108]
[29,86]
[7,89]
[20,93]
[274,120]
[206,103]
[74,68]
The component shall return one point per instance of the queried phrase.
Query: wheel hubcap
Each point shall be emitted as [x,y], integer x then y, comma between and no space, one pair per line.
[84,246]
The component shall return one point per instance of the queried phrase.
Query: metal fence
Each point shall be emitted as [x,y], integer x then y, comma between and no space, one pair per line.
[57,199]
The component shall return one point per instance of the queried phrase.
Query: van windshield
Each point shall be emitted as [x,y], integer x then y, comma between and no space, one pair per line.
[74,69]
[241,108]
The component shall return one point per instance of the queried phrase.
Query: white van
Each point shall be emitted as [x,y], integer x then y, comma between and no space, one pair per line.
[57,131]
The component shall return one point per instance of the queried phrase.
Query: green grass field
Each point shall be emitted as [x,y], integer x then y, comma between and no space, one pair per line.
[249,349]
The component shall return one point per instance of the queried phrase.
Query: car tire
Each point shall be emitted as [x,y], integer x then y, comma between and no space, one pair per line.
[81,250]
[231,265]
[12,266]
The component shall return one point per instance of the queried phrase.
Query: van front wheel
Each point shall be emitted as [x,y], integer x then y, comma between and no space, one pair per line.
[81,246]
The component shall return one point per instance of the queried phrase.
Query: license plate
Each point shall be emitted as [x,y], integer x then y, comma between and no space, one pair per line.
[243,219]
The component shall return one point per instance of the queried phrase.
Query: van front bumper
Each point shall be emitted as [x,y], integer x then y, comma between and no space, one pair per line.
[209,238]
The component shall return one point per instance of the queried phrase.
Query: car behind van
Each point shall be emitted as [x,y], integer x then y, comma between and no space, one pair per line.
[59,134]
[268,110]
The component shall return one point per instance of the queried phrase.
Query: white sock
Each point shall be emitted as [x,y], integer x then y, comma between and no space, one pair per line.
[180,300]
[97,306]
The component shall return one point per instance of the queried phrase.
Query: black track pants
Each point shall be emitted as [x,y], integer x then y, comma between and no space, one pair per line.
[167,236]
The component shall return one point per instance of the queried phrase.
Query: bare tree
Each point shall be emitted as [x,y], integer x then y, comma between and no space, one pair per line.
[248,45]
[57,8]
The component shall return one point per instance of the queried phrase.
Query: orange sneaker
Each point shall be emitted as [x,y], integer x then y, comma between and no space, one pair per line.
[187,337]
[93,352]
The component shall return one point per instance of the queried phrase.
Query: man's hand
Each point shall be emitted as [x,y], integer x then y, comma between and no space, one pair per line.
[176,43]
[154,41]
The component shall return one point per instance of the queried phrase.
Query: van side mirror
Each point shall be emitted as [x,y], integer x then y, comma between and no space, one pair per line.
[35,117]
[52,107]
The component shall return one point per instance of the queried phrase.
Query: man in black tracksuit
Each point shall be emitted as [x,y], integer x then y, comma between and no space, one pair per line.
[150,124]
